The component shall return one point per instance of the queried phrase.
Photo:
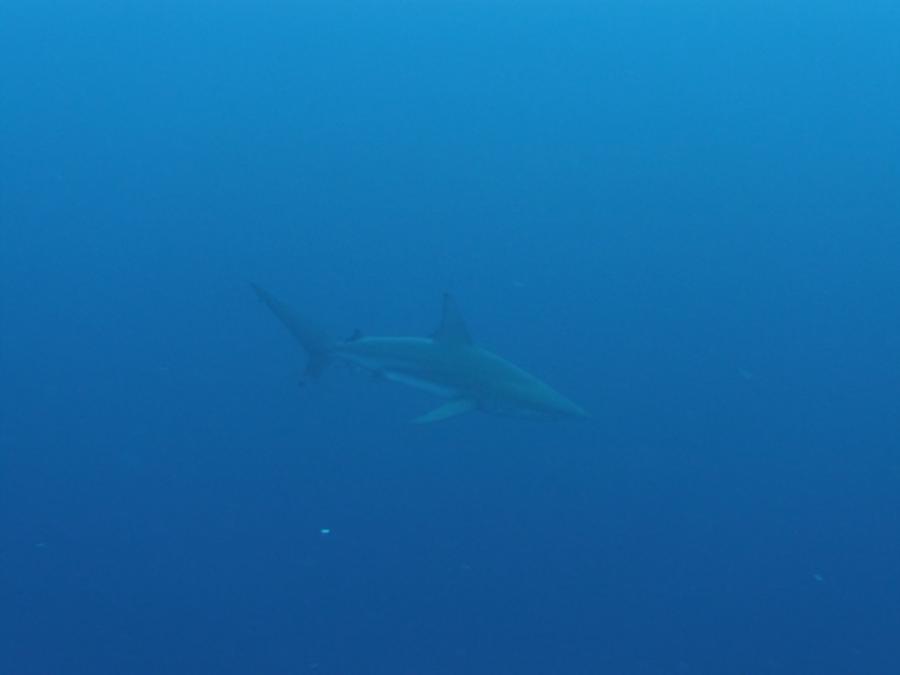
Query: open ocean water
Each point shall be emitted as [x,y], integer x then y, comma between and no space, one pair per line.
[683,215]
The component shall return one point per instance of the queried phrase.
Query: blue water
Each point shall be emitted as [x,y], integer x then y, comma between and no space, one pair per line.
[684,216]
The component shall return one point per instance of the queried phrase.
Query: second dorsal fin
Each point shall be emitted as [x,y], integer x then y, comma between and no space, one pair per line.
[452,329]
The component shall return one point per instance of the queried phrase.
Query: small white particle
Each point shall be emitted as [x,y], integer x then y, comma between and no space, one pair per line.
[325,530]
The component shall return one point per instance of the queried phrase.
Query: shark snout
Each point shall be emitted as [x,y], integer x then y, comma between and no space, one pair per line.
[566,408]
[578,412]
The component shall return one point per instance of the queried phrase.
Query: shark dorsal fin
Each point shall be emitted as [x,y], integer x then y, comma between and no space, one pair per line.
[452,329]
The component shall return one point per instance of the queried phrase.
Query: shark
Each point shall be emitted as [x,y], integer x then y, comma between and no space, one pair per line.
[448,363]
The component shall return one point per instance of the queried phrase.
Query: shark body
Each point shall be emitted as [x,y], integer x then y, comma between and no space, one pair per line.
[448,364]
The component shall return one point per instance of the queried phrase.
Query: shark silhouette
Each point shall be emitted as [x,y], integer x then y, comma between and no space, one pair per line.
[448,363]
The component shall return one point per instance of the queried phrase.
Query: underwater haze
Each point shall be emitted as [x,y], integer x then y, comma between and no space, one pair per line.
[683,216]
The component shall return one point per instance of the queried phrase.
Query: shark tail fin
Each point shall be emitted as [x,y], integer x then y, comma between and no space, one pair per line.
[316,343]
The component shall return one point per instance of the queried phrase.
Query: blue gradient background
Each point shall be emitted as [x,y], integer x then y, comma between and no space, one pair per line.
[683,215]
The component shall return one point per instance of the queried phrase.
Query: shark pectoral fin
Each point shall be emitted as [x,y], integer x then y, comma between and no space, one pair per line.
[446,411]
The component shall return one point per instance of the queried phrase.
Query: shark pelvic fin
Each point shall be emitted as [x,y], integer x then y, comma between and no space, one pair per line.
[446,411]
[452,328]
